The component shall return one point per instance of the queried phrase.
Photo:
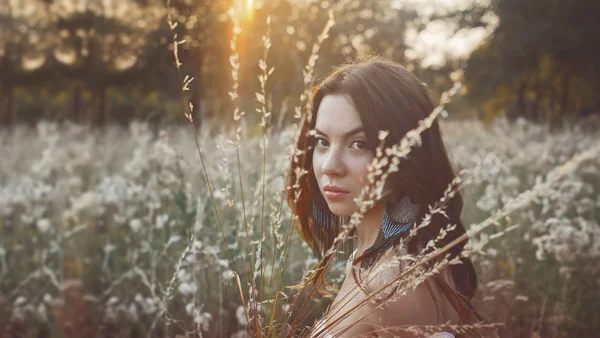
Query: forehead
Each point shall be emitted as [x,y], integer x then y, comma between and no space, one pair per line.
[337,115]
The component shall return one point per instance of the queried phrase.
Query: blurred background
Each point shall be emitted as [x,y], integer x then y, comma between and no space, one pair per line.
[111,61]
[108,226]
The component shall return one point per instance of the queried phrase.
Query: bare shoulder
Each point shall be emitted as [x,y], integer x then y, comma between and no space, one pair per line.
[347,316]
[389,267]
[405,305]
[356,313]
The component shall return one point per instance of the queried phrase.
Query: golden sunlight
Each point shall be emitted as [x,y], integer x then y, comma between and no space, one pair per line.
[249,9]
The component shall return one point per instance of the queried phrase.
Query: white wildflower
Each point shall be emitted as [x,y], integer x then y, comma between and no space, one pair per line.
[42,312]
[183,276]
[20,301]
[521,298]
[187,289]
[149,306]
[173,239]
[203,319]
[132,312]
[112,301]
[492,252]
[135,224]
[240,314]
[43,225]
[198,225]
[161,220]
[228,275]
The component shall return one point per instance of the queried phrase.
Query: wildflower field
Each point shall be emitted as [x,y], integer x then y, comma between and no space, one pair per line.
[113,233]
[115,221]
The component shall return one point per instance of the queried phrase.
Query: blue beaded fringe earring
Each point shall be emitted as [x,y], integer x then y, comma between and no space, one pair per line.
[327,222]
[398,217]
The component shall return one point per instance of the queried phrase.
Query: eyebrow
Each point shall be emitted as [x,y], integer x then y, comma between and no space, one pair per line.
[348,134]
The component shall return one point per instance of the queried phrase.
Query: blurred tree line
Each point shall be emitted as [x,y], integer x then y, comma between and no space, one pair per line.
[541,62]
[95,61]
[99,61]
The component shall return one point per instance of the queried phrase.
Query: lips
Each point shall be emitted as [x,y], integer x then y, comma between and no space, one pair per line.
[334,188]
[333,192]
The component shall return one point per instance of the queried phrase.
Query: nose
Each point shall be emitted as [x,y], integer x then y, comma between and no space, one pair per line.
[334,164]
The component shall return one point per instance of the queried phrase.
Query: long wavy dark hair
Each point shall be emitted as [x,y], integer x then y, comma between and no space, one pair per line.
[389,97]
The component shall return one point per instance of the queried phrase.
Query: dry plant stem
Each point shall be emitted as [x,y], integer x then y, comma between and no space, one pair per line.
[185,87]
[542,311]
[133,272]
[38,273]
[261,98]
[274,231]
[396,152]
[520,201]
[308,72]
[247,234]
[433,328]
[237,115]
[310,68]
[272,320]
[265,117]
[166,298]
[282,259]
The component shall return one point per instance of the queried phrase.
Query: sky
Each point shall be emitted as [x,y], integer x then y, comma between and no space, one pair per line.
[436,41]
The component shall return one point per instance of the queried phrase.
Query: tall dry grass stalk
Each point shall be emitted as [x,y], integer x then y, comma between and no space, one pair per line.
[237,116]
[185,83]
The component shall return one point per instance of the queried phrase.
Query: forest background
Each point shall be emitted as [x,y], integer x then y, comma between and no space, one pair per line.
[108,61]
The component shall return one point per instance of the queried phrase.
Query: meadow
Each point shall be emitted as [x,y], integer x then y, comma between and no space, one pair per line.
[114,232]
[164,230]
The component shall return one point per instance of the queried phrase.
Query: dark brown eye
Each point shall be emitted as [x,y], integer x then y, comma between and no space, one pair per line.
[317,144]
[362,145]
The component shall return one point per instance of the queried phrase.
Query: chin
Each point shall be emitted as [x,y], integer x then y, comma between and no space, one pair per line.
[341,210]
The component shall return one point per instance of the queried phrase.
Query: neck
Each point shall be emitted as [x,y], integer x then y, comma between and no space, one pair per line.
[368,229]
[370,226]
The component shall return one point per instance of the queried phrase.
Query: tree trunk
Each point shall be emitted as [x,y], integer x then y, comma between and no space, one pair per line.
[564,101]
[76,107]
[6,106]
[97,117]
[200,117]
[520,100]
[552,114]
[538,99]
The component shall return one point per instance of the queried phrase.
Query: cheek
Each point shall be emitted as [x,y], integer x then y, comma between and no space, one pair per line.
[361,171]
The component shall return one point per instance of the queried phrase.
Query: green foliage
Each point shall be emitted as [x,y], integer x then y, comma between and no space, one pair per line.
[540,62]
[90,55]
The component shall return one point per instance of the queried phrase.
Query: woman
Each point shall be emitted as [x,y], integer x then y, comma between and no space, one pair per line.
[338,141]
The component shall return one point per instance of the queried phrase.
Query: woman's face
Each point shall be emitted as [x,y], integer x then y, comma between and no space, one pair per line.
[341,154]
